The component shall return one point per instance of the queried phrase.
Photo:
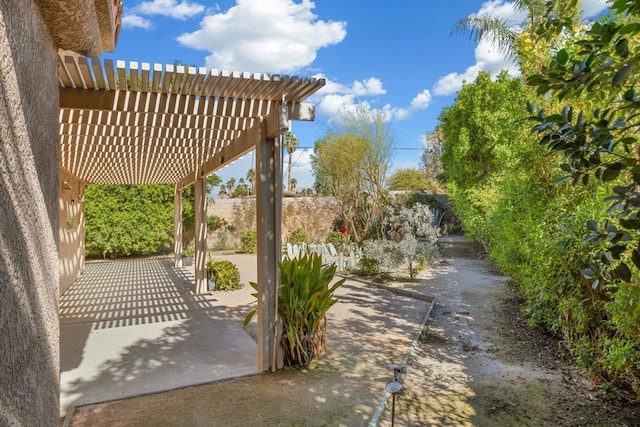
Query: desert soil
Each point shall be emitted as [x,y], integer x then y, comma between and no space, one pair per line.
[476,364]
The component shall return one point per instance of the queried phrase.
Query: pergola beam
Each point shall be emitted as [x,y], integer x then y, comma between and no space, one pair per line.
[161,103]
[247,141]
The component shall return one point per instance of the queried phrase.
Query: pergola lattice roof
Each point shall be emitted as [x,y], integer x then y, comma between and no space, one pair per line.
[143,124]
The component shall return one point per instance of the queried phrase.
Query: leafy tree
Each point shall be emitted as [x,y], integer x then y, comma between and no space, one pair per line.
[479,127]
[241,190]
[222,192]
[290,144]
[602,143]
[213,181]
[354,160]
[534,230]
[432,160]
[408,179]
[128,219]
[293,184]
[321,181]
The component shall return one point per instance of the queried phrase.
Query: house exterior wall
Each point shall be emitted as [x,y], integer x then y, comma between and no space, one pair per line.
[29,272]
[71,229]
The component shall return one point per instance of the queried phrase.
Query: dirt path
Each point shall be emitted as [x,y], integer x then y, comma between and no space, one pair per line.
[476,364]
[484,366]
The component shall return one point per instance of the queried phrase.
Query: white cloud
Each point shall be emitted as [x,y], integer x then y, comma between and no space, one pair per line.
[488,58]
[593,7]
[275,36]
[422,100]
[300,167]
[182,10]
[501,9]
[135,21]
[504,10]
[335,99]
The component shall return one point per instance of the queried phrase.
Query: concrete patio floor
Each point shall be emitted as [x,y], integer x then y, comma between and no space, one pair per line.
[134,327]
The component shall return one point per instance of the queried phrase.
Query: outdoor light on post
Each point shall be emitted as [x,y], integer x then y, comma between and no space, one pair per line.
[394,387]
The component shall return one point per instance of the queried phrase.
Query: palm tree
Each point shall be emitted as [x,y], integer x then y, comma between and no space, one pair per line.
[293,183]
[223,191]
[231,183]
[251,178]
[500,32]
[503,34]
[290,144]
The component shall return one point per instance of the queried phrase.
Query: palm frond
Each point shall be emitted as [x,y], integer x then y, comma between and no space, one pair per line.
[498,32]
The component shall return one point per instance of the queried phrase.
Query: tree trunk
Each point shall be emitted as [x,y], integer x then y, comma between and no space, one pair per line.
[289,174]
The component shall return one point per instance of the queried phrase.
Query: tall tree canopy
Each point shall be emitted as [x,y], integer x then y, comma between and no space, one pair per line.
[353,160]
[408,179]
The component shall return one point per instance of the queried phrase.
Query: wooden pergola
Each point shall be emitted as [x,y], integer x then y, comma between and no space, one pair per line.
[143,124]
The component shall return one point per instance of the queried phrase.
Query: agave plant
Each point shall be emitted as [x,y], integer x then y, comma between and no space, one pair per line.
[306,294]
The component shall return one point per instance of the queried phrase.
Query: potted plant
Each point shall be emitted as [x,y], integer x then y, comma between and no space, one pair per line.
[306,294]
[187,256]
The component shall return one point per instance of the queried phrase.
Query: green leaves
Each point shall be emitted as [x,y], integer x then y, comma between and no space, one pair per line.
[128,219]
[306,294]
[225,273]
[604,143]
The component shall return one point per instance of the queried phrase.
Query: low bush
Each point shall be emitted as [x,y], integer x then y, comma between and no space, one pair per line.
[335,238]
[369,266]
[225,274]
[249,242]
[298,236]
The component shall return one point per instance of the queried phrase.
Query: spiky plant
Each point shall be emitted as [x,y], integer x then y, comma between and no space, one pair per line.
[306,294]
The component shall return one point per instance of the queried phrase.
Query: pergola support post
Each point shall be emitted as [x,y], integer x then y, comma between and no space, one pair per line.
[200,211]
[177,227]
[269,215]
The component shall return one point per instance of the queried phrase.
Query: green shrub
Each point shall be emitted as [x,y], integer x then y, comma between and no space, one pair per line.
[225,274]
[249,242]
[534,229]
[298,236]
[369,266]
[336,238]
[214,222]
[123,220]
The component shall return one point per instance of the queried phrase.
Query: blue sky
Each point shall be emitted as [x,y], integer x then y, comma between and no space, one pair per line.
[397,57]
